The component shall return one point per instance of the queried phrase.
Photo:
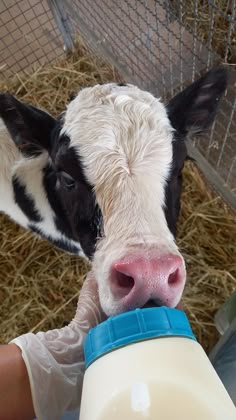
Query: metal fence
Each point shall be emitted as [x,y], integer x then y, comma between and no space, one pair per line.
[161,45]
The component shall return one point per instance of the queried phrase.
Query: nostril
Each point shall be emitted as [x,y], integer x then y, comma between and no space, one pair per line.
[173,278]
[121,284]
[125,281]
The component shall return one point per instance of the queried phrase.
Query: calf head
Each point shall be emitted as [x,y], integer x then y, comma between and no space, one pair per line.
[118,153]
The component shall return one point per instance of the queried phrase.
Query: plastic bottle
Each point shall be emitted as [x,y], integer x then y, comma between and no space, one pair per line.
[147,364]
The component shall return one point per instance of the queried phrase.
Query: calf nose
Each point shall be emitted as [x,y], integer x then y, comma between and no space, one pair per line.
[135,280]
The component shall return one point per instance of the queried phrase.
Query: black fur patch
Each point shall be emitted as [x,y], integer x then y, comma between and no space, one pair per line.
[61,244]
[24,201]
[121,84]
[79,204]
[173,186]
[61,220]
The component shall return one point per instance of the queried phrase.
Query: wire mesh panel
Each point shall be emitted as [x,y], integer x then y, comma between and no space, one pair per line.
[28,35]
[163,46]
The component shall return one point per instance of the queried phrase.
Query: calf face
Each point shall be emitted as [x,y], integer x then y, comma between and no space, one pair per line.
[118,154]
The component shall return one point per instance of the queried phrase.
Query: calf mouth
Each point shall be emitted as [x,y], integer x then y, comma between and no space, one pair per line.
[152,304]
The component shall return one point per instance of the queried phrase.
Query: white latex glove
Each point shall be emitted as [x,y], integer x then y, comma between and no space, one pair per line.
[55,361]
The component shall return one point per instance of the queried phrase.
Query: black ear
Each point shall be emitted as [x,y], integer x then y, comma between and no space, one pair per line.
[29,127]
[193,110]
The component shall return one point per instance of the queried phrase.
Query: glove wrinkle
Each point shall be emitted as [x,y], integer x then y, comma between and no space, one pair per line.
[55,359]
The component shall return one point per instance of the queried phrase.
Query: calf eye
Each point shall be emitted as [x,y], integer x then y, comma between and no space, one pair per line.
[67,181]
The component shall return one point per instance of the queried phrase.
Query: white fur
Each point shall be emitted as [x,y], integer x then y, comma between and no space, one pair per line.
[124,138]
[9,155]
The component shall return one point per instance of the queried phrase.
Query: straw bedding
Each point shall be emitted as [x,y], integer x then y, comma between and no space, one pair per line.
[39,285]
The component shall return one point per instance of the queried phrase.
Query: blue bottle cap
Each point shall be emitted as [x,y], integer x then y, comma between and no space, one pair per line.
[131,327]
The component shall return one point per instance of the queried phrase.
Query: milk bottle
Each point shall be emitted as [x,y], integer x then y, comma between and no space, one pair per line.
[147,365]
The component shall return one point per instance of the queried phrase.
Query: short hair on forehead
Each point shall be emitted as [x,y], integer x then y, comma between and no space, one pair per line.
[124,139]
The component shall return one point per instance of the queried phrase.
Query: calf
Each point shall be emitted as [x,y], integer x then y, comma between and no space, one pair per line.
[105,180]
[28,181]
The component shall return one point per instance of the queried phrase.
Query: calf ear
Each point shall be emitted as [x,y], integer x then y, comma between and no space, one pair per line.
[29,127]
[193,110]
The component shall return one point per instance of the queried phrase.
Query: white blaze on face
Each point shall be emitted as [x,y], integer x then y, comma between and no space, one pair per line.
[124,140]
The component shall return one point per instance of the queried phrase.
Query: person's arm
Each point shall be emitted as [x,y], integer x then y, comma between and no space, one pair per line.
[43,373]
[15,394]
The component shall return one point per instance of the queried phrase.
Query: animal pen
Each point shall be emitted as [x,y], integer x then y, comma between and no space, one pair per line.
[162,46]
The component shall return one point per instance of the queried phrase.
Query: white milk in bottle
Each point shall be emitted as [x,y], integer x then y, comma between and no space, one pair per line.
[147,365]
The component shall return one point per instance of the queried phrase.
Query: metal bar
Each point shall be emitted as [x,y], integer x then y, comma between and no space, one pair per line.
[195,37]
[160,54]
[233,165]
[226,133]
[63,23]
[170,53]
[230,30]
[212,22]
[181,42]
[213,176]
[101,44]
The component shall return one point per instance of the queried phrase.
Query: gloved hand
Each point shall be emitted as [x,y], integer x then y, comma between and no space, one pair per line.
[54,359]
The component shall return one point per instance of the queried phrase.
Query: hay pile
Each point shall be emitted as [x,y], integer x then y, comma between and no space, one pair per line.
[39,285]
[50,87]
